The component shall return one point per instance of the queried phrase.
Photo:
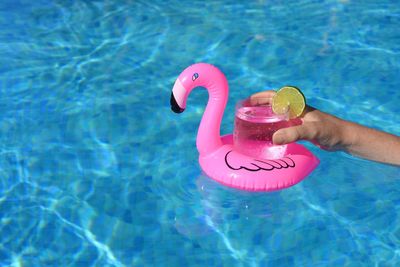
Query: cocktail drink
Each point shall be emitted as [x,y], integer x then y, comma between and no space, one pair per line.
[255,124]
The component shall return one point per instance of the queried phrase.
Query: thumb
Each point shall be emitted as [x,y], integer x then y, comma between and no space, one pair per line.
[293,134]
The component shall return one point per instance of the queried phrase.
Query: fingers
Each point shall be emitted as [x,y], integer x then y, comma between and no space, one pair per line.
[269,93]
[293,134]
[261,98]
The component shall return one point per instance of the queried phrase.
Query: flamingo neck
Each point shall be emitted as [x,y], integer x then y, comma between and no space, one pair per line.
[208,136]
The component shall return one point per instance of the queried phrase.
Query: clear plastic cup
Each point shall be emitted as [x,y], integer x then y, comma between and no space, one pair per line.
[255,124]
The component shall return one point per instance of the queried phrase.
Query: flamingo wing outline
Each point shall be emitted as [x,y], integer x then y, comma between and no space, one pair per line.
[262,165]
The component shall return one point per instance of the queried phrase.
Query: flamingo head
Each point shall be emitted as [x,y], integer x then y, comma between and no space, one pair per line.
[190,78]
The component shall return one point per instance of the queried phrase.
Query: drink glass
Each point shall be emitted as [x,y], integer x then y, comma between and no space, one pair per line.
[255,124]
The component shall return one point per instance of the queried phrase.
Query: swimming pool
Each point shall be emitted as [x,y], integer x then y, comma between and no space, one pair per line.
[95,170]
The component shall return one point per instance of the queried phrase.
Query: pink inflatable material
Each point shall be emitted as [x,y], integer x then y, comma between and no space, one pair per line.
[218,157]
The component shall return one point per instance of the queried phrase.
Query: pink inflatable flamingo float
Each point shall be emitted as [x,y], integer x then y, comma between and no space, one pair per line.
[218,157]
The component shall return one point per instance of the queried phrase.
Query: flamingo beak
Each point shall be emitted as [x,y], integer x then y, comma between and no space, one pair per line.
[174,105]
[178,97]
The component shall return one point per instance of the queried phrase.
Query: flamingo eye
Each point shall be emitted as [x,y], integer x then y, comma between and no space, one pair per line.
[195,76]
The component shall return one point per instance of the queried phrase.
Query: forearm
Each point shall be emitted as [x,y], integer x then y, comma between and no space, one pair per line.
[371,144]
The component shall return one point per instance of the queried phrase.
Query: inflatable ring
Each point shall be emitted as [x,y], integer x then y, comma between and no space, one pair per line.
[217,155]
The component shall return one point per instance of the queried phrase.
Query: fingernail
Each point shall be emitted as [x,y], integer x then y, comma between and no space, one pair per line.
[278,139]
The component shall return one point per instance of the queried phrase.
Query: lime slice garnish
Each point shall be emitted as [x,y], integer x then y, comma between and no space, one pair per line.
[291,98]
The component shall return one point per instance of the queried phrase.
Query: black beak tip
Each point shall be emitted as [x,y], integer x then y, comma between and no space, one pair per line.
[174,105]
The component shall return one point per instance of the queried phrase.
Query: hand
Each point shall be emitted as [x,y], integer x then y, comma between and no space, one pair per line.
[324,130]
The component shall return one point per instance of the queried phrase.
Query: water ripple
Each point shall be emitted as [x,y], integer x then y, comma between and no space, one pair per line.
[96,170]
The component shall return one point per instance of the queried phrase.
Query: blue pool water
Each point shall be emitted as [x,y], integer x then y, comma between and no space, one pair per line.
[95,170]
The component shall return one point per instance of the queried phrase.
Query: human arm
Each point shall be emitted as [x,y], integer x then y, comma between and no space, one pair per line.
[332,133]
